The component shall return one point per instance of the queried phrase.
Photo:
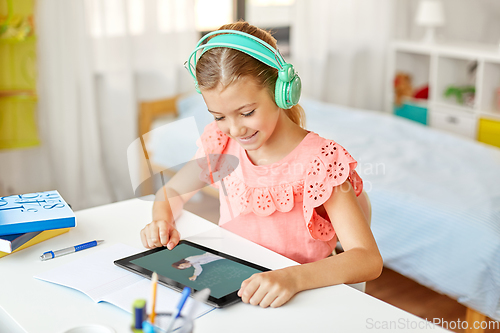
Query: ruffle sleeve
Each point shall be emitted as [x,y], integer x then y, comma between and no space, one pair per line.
[331,167]
[214,164]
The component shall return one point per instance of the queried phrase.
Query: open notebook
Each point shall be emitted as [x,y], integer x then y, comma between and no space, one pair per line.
[96,276]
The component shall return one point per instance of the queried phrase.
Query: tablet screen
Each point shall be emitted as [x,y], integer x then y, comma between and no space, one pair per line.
[197,267]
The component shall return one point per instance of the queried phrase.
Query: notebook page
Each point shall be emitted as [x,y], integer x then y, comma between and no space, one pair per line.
[95,275]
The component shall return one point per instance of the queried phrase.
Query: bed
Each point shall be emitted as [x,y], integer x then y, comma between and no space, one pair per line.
[435,196]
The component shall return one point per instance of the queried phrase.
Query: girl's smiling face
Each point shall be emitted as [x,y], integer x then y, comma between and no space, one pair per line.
[244,111]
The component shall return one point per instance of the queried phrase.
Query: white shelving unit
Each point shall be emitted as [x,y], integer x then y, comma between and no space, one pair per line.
[441,65]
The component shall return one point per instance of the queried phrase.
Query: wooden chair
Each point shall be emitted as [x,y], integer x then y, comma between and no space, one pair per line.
[149,112]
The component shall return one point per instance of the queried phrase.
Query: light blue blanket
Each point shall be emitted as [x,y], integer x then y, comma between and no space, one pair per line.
[435,196]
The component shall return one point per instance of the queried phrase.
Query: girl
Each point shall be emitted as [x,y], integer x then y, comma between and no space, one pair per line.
[196,262]
[292,192]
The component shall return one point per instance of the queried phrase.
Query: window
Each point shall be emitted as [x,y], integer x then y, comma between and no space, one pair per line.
[112,18]
[211,14]
[274,15]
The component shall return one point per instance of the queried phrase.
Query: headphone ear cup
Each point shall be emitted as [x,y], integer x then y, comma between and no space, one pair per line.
[287,94]
[280,94]
[293,90]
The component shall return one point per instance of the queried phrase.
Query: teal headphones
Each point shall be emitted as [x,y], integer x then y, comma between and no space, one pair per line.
[288,85]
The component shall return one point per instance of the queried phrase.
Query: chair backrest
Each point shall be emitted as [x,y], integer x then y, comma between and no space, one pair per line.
[149,111]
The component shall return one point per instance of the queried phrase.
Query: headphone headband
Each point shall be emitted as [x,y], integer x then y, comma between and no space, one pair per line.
[238,40]
[288,86]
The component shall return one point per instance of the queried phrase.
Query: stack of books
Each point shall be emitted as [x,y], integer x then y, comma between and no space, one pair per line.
[28,219]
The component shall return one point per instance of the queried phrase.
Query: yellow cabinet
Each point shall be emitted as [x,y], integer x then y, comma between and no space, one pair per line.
[489,131]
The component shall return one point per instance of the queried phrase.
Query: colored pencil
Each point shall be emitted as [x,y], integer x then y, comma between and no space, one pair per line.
[154,283]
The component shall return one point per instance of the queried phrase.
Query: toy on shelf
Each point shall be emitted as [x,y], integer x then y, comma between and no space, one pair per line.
[464,95]
[403,89]
[422,92]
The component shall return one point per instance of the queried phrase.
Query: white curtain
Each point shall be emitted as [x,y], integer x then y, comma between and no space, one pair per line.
[96,60]
[339,49]
[67,111]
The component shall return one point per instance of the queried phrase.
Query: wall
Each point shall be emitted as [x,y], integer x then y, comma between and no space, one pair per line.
[466,21]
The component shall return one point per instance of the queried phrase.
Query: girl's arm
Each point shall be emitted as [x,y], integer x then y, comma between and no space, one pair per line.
[360,261]
[183,185]
[197,270]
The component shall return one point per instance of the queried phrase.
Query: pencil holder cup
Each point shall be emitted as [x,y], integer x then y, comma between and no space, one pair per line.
[162,322]
[90,329]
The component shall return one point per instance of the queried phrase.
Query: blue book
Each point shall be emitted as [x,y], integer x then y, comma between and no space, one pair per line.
[30,212]
[9,243]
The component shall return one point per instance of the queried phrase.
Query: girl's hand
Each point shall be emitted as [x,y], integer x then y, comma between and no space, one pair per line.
[160,233]
[273,288]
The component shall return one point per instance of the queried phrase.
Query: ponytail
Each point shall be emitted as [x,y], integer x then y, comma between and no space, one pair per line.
[297,115]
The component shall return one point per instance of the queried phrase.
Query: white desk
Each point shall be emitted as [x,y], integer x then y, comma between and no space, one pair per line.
[31,305]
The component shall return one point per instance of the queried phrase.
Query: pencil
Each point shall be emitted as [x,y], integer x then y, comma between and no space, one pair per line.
[154,283]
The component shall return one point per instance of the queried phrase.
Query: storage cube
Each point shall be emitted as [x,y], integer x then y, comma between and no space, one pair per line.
[412,111]
[489,131]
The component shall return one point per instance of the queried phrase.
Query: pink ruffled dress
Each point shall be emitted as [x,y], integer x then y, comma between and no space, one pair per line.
[274,205]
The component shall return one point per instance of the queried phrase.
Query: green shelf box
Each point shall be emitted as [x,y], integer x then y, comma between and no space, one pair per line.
[412,111]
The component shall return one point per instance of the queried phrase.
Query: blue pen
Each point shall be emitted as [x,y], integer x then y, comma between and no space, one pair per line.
[185,294]
[53,254]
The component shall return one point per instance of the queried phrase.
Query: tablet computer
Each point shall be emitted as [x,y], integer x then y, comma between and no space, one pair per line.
[195,266]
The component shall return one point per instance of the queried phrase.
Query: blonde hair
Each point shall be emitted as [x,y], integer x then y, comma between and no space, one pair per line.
[226,66]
